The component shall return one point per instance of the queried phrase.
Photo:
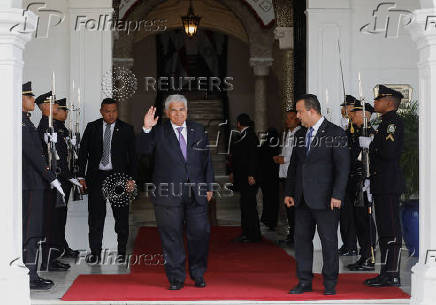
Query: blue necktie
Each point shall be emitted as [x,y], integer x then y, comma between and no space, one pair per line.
[308,140]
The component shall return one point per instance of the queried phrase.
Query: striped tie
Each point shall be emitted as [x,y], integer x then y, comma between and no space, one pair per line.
[106,145]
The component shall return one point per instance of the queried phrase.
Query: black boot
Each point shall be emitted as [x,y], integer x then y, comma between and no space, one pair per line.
[363,264]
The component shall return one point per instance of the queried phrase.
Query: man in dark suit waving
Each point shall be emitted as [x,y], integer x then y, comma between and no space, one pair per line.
[107,147]
[182,187]
[316,183]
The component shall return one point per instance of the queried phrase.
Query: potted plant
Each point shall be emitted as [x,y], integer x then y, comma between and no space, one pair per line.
[410,167]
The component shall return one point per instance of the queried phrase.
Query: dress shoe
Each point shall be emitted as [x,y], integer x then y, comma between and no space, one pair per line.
[330,291]
[383,281]
[176,285]
[240,238]
[343,251]
[251,240]
[363,264]
[38,284]
[200,282]
[93,259]
[70,253]
[47,281]
[301,288]
[55,266]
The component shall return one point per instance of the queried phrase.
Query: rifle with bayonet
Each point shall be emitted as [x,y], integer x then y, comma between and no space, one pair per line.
[52,153]
[74,146]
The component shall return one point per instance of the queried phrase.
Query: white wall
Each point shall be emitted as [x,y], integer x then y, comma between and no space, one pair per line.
[379,59]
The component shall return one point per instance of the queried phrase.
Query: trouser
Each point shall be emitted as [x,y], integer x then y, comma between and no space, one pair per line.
[249,216]
[270,208]
[387,212]
[61,216]
[365,230]
[326,221]
[97,215]
[52,247]
[171,221]
[347,225]
[33,231]
[289,212]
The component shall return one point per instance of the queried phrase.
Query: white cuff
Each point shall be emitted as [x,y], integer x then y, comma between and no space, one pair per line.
[146,130]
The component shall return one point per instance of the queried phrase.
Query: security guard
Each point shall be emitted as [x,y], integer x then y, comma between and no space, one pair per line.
[36,179]
[347,226]
[387,184]
[65,176]
[363,220]
[52,248]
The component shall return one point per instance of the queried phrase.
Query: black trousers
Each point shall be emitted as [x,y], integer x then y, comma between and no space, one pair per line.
[290,212]
[326,221]
[171,221]
[365,230]
[270,209]
[387,213]
[347,224]
[33,230]
[97,216]
[61,216]
[53,245]
[249,216]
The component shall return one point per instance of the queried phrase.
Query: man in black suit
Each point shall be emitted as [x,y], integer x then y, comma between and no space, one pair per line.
[107,147]
[245,162]
[181,189]
[316,183]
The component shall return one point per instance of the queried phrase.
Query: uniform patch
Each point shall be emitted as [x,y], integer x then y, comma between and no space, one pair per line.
[390,137]
[391,128]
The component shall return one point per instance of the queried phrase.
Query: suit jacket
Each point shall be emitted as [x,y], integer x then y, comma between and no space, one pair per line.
[323,173]
[245,157]
[36,175]
[123,152]
[385,154]
[171,168]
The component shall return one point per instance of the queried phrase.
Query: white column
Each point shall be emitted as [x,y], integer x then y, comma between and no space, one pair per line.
[424,272]
[14,281]
[261,68]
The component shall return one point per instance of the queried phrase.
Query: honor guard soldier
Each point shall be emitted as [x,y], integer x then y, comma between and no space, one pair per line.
[36,179]
[347,227]
[65,176]
[387,184]
[52,247]
[363,220]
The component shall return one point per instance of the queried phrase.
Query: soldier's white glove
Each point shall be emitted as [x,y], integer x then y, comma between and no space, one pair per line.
[367,189]
[344,123]
[73,141]
[56,184]
[75,182]
[364,142]
[53,138]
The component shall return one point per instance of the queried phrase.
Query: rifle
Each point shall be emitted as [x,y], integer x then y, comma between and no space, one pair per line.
[53,156]
[74,146]
[366,172]
[343,88]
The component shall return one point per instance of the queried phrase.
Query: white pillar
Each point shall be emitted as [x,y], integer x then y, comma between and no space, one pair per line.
[261,68]
[424,272]
[14,281]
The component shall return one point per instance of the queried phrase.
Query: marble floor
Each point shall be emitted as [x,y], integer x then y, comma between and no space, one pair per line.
[142,214]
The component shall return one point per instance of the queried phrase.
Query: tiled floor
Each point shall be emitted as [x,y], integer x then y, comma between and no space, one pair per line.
[227,214]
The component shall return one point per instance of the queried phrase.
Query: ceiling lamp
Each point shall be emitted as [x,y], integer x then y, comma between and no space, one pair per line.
[191,22]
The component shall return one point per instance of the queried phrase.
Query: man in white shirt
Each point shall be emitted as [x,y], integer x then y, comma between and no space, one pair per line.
[292,126]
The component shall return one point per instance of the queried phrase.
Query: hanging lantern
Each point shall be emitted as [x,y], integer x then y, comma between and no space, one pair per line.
[191,22]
